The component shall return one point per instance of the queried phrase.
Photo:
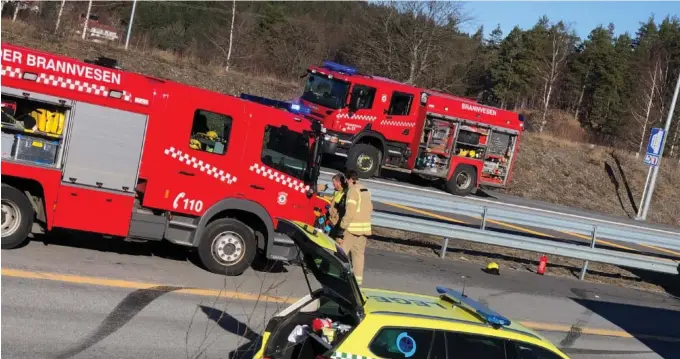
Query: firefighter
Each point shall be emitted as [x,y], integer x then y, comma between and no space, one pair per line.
[355,224]
[337,209]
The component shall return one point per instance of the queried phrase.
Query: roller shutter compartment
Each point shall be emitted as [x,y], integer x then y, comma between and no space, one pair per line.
[105,147]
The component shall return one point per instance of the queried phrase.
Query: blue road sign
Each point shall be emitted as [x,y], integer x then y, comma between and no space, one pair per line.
[654,146]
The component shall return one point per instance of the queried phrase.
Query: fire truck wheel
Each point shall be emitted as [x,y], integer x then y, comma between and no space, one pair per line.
[463,181]
[228,246]
[365,159]
[17,217]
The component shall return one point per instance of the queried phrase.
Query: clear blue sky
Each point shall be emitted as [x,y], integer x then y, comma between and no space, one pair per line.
[583,15]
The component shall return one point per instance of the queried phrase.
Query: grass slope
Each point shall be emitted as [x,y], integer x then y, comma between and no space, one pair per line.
[548,168]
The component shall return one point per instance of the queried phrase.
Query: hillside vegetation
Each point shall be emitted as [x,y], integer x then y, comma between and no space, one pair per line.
[550,168]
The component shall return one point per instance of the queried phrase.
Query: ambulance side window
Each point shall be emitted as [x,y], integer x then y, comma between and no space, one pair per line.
[400,105]
[517,350]
[210,132]
[466,345]
[402,343]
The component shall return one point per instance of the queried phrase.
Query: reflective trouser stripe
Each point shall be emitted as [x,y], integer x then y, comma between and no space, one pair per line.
[359,228]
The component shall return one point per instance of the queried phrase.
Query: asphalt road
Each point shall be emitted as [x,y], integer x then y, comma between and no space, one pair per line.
[474,220]
[106,298]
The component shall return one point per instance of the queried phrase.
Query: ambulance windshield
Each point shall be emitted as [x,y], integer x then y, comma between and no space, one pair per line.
[287,151]
[321,90]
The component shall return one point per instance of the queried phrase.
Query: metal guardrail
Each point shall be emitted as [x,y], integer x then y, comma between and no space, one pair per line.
[442,204]
[586,253]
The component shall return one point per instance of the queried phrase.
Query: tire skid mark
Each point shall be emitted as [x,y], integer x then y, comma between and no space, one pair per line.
[127,309]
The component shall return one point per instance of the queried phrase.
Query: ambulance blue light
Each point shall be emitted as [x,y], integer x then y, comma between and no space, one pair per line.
[485,313]
[349,70]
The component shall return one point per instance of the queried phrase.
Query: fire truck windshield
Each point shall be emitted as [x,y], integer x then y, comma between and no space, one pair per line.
[321,90]
[287,151]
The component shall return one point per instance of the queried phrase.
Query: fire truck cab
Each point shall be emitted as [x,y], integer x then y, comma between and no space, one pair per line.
[382,123]
[90,147]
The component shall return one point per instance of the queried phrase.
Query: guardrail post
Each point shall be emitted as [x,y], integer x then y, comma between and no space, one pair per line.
[484,218]
[445,246]
[593,238]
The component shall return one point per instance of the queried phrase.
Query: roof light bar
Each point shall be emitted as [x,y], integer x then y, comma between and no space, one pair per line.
[349,70]
[485,313]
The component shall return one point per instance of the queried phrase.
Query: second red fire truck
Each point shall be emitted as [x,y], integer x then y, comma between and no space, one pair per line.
[87,146]
[382,123]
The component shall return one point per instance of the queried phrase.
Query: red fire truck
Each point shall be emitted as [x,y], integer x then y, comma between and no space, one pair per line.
[87,146]
[381,123]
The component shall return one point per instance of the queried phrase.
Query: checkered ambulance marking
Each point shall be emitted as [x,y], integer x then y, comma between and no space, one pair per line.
[356,117]
[11,71]
[206,168]
[278,177]
[71,84]
[397,123]
[342,355]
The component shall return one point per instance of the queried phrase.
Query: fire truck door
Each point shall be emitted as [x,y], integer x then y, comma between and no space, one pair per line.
[199,165]
[400,119]
[364,109]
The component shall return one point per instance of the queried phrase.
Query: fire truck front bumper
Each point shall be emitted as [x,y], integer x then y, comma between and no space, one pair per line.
[337,144]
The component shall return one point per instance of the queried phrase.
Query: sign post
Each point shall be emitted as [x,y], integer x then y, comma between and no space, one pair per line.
[654,160]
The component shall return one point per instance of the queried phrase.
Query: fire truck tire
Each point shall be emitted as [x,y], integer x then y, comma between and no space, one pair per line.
[228,246]
[463,181]
[17,217]
[365,159]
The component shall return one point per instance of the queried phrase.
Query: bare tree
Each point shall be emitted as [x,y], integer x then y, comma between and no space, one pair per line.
[87,18]
[407,38]
[552,66]
[653,83]
[61,10]
[231,33]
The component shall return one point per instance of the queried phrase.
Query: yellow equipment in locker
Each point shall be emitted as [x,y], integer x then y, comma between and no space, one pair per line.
[48,121]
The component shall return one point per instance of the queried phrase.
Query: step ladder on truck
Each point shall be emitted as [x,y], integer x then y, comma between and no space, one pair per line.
[87,146]
[384,124]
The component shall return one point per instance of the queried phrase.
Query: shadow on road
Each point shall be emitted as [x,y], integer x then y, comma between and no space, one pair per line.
[161,249]
[236,327]
[656,328]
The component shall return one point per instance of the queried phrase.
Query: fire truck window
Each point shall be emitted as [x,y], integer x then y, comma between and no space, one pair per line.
[210,132]
[366,96]
[285,150]
[400,104]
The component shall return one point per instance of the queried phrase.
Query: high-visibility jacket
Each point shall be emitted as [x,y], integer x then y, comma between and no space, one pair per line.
[337,209]
[358,210]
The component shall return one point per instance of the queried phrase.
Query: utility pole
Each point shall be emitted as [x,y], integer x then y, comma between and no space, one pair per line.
[132,17]
[87,18]
[655,172]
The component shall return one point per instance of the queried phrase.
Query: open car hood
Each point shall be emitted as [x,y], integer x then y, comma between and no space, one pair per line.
[327,261]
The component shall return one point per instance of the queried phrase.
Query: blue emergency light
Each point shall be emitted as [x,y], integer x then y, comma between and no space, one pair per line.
[485,313]
[291,107]
[521,118]
[349,70]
